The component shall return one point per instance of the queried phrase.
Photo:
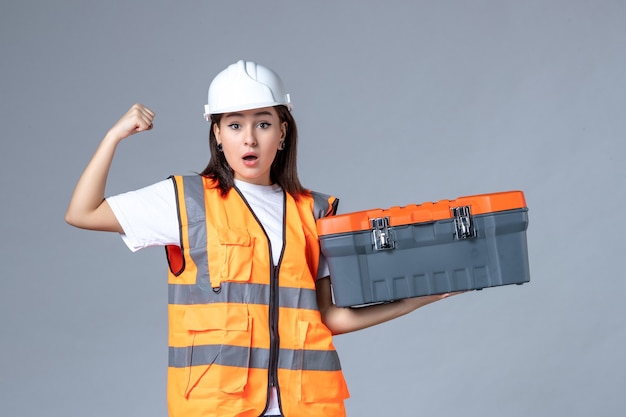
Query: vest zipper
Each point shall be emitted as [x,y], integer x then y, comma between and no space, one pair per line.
[274,335]
[273,304]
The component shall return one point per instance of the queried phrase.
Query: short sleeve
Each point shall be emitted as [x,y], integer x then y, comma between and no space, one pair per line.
[324,205]
[148,216]
[322,269]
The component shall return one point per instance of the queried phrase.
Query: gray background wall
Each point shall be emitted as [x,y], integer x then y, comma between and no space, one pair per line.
[397,103]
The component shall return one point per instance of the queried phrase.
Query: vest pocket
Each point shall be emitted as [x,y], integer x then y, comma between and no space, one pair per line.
[312,335]
[232,256]
[219,354]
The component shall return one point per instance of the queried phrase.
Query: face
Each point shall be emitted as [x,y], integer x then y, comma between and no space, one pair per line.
[250,140]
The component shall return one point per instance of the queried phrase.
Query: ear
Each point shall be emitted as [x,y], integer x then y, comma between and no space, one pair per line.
[283,130]
[216,132]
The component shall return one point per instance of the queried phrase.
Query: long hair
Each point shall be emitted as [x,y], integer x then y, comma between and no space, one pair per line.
[284,170]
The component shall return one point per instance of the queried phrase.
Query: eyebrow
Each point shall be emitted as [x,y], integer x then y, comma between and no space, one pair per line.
[257,114]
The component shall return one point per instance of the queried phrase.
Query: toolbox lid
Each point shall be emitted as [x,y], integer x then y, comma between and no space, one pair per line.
[421,213]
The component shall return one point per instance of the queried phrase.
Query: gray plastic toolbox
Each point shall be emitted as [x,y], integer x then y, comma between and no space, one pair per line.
[469,243]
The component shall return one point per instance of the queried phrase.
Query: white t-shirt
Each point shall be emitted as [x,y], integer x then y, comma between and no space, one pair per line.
[149,217]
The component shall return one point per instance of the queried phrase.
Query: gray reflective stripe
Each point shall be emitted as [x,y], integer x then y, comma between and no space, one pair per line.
[243,357]
[226,355]
[196,219]
[320,204]
[309,360]
[298,298]
[236,292]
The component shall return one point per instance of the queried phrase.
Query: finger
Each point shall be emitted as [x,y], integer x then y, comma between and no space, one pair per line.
[141,118]
[146,121]
[148,117]
[450,294]
[140,109]
[144,126]
[146,111]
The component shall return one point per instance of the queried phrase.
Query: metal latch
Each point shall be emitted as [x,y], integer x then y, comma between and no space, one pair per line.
[463,223]
[382,234]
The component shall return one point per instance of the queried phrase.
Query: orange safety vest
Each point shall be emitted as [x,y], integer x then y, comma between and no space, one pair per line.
[240,325]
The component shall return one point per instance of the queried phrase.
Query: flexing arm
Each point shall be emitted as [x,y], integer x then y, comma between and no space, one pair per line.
[88,209]
[344,320]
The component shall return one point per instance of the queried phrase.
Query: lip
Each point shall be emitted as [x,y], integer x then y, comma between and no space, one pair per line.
[250,162]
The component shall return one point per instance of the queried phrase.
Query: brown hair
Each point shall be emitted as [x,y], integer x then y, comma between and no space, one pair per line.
[284,170]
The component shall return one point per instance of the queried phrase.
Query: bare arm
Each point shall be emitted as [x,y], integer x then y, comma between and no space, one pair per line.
[88,209]
[344,320]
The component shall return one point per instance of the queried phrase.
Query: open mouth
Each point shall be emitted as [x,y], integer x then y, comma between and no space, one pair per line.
[250,157]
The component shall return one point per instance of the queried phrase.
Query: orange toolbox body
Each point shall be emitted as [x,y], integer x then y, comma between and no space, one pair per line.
[469,243]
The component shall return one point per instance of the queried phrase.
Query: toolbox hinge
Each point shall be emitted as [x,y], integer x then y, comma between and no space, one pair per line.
[463,223]
[382,234]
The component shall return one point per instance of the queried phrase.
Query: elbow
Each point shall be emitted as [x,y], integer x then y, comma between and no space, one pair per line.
[332,320]
[73,220]
[329,325]
[327,322]
[338,330]
[333,329]
[92,220]
[69,218]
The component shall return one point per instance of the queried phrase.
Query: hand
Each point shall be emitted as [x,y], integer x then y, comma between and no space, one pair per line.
[137,119]
[417,302]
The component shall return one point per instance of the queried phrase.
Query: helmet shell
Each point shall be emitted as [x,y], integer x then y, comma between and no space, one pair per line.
[245,85]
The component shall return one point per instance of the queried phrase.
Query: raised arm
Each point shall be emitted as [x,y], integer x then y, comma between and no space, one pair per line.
[344,320]
[88,209]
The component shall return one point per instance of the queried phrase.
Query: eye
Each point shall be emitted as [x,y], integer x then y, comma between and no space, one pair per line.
[264,125]
[234,126]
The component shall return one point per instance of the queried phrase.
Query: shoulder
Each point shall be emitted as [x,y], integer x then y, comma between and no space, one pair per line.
[193,185]
[324,204]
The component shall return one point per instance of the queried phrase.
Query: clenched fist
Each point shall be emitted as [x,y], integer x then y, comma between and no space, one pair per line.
[137,119]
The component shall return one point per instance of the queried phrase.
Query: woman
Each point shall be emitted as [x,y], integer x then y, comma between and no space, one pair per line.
[251,315]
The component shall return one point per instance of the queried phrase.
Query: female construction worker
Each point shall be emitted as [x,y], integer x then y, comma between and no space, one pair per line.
[251,315]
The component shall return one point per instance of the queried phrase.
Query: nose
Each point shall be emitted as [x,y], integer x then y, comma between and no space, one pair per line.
[250,137]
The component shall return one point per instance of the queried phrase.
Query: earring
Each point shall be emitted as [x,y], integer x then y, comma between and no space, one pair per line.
[219,147]
[281,145]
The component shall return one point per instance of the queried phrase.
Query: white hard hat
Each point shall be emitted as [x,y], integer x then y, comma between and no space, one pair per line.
[245,85]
